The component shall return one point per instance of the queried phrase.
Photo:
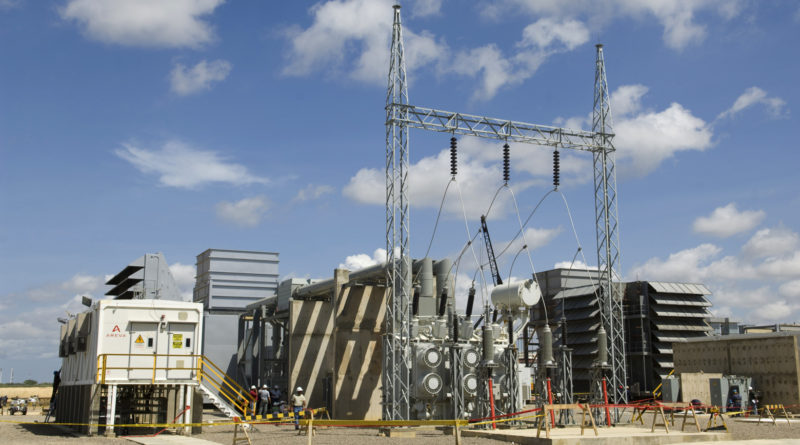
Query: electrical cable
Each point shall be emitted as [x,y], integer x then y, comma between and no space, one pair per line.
[438,215]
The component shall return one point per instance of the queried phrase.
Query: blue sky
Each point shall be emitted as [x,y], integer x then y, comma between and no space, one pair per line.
[129,127]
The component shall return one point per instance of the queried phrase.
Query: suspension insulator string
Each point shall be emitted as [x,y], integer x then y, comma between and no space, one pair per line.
[556,168]
[453,156]
[506,163]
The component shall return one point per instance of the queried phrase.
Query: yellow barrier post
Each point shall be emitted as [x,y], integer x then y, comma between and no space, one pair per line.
[105,357]
[310,426]
[457,432]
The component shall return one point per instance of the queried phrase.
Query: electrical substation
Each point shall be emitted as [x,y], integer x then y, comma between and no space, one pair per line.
[387,342]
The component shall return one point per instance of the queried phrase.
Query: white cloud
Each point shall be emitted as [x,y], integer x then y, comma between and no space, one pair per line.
[646,139]
[354,35]
[184,278]
[9,4]
[149,23]
[726,221]
[180,165]
[684,266]
[627,99]
[247,212]
[362,260]
[771,242]
[185,81]
[577,265]
[790,289]
[547,31]
[754,96]
[424,8]
[311,192]
[77,285]
[534,238]
[676,17]
[478,168]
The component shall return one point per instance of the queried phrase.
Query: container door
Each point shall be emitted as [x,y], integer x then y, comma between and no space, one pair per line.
[144,341]
[181,350]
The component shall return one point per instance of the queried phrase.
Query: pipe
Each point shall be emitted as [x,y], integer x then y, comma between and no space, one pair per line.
[491,399]
[546,346]
[550,401]
[605,398]
[426,278]
[488,346]
[441,269]
[602,347]
[326,285]
[415,303]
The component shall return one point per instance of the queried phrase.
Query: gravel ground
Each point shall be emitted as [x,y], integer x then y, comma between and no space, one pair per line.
[38,434]
[739,430]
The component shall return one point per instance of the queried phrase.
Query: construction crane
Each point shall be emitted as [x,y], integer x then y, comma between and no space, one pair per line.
[490,251]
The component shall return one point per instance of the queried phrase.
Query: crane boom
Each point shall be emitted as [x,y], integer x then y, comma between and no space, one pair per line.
[490,251]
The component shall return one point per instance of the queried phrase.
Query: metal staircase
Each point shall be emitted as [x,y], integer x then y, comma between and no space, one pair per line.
[227,395]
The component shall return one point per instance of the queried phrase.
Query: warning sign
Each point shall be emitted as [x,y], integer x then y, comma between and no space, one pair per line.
[139,339]
[177,341]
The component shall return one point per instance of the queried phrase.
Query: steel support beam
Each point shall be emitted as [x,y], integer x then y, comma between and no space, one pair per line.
[607,229]
[400,117]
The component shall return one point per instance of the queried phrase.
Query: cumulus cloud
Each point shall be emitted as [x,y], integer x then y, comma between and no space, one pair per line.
[311,192]
[687,265]
[184,275]
[77,285]
[577,265]
[198,78]
[547,32]
[540,40]
[677,18]
[533,237]
[755,96]
[362,260]
[479,166]
[424,8]
[644,138]
[727,221]
[771,242]
[353,35]
[247,212]
[790,289]
[148,23]
[178,164]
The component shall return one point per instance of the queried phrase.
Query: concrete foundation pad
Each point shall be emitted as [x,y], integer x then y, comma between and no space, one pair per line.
[170,440]
[398,432]
[608,436]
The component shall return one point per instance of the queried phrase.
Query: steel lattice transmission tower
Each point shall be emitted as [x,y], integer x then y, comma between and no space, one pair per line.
[396,347]
[607,229]
[400,117]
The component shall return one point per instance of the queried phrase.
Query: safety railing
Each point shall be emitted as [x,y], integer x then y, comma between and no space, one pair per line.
[202,370]
[657,391]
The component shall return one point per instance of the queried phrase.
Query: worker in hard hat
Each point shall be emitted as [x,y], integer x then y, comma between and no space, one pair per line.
[263,400]
[298,404]
[253,399]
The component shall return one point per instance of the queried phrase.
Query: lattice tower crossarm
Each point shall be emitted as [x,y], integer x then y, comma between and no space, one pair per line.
[396,346]
[607,230]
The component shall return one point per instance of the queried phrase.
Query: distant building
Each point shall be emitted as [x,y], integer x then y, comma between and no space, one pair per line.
[763,329]
[656,314]
[724,326]
[771,359]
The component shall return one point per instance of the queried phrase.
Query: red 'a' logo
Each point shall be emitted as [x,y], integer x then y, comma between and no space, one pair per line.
[116,328]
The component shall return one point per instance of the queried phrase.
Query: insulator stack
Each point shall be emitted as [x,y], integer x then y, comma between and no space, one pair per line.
[506,163]
[556,169]
[453,156]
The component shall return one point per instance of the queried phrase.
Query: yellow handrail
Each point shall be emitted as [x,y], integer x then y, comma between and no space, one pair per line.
[205,369]
[656,392]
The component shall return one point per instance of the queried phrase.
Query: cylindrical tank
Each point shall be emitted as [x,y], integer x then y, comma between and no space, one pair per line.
[442,271]
[545,346]
[515,295]
[488,346]
[602,347]
[426,278]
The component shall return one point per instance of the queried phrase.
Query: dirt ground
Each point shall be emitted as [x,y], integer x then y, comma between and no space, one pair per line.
[39,434]
[27,391]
